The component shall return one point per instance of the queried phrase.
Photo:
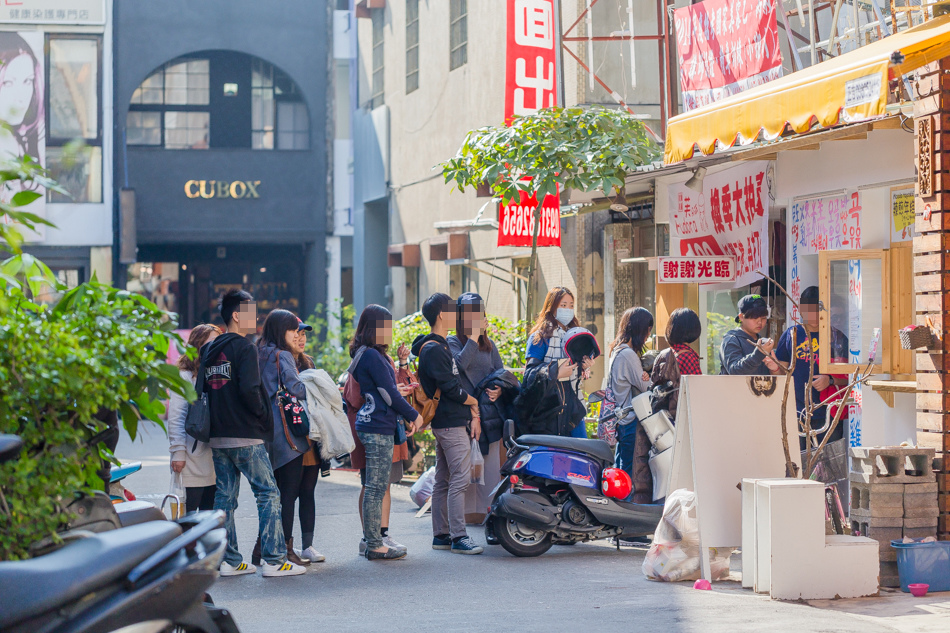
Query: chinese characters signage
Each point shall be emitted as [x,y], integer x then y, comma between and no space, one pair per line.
[53,11]
[703,270]
[516,222]
[729,218]
[902,210]
[725,47]
[820,224]
[530,85]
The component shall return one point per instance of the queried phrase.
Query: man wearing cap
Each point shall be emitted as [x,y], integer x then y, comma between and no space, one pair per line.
[742,352]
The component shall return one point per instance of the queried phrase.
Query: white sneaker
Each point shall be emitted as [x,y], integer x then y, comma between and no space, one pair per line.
[312,555]
[240,570]
[362,547]
[285,569]
[389,542]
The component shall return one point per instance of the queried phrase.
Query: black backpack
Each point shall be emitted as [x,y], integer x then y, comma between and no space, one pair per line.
[198,420]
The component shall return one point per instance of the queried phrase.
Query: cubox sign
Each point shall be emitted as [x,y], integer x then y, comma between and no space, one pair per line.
[530,85]
[691,270]
[237,189]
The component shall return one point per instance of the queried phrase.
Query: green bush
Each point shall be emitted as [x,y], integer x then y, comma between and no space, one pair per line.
[96,349]
[329,344]
[716,327]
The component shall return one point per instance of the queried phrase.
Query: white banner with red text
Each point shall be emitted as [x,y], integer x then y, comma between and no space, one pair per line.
[730,217]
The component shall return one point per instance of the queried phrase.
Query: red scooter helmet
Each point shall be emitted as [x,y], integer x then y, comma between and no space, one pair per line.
[616,483]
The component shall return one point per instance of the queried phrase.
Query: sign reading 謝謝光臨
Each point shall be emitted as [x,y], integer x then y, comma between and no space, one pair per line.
[725,47]
[729,218]
[85,12]
[530,85]
[703,270]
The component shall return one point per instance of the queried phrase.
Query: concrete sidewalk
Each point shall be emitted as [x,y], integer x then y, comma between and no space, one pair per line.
[586,588]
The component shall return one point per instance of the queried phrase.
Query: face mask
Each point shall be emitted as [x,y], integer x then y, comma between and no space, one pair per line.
[564,316]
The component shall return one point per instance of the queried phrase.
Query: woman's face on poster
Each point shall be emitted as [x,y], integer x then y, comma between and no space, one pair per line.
[16,89]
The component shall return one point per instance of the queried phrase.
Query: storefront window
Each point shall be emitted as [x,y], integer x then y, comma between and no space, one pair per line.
[853,291]
[187,83]
[277,111]
[158,281]
[187,130]
[144,128]
[73,89]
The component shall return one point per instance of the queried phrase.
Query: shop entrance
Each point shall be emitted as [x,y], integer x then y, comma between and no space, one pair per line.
[187,281]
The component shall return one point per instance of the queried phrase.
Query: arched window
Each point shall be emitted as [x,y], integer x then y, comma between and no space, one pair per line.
[218,99]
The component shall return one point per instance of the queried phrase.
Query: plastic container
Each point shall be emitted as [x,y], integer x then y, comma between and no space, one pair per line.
[643,405]
[923,563]
[918,589]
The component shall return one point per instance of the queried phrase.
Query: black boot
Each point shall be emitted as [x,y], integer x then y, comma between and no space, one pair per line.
[256,554]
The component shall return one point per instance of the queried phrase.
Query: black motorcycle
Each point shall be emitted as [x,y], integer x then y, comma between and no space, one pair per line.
[152,576]
[560,491]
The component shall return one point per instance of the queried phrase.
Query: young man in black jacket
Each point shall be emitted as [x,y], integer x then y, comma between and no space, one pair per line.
[241,420]
[454,425]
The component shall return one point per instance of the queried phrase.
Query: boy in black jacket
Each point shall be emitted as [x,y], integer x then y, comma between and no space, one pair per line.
[454,425]
[241,420]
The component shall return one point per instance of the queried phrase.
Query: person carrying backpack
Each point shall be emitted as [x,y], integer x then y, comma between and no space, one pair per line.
[454,424]
[241,420]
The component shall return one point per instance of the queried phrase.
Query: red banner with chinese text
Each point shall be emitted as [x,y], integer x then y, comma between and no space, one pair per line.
[725,47]
[530,85]
[730,217]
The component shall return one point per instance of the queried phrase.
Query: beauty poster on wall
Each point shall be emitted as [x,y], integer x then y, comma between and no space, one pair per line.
[22,111]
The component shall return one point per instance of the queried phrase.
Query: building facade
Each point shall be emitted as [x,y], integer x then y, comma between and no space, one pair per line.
[223,126]
[57,90]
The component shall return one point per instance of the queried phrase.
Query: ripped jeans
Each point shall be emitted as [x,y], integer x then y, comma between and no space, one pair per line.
[253,463]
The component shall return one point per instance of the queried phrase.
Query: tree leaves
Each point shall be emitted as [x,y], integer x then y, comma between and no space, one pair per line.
[578,148]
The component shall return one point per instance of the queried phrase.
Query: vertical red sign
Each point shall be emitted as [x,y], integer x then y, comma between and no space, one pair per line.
[530,85]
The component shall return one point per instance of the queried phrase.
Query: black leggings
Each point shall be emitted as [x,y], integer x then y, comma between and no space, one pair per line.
[289,480]
[308,504]
[199,498]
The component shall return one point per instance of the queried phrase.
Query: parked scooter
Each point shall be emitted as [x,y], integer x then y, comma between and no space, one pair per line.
[152,576]
[560,491]
[117,491]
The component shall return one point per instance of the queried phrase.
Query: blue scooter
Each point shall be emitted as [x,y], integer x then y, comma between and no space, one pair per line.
[552,493]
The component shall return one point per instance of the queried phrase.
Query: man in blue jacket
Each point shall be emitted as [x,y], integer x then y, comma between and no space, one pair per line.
[454,425]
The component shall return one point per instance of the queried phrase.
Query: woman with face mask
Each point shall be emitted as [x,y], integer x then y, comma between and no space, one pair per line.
[546,353]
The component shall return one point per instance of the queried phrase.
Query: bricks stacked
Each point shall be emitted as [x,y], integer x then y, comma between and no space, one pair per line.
[932,271]
[893,495]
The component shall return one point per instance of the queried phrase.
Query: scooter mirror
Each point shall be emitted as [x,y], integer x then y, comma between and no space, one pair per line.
[509,429]
[10,446]
[597,396]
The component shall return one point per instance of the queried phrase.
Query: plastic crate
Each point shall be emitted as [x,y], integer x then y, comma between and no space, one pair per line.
[923,562]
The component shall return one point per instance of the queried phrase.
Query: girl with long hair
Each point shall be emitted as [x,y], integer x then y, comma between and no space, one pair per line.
[374,413]
[546,353]
[626,380]
[275,353]
[22,114]
[477,359]
[190,457]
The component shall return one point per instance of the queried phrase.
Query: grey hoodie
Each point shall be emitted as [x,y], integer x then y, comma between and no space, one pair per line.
[739,356]
[626,376]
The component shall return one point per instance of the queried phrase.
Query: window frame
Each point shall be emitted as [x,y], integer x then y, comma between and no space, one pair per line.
[57,142]
[458,13]
[412,73]
[378,90]
[164,107]
[825,258]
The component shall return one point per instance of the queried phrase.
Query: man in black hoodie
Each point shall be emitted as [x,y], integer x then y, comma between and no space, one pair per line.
[454,425]
[241,420]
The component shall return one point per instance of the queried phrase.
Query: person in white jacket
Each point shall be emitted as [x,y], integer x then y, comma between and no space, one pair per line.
[190,457]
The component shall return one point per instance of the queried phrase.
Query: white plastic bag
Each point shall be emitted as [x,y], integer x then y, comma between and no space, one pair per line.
[177,488]
[422,489]
[478,464]
[675,552]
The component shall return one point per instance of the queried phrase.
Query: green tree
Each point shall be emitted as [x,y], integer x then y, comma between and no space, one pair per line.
[572,148]
[333,329]
[96,349]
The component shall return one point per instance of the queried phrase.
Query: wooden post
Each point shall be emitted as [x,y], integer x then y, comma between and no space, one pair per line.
[931,274]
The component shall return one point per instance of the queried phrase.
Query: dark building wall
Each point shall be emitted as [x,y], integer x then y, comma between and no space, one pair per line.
[292,35]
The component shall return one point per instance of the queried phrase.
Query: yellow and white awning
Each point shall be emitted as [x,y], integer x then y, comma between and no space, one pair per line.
[846,89]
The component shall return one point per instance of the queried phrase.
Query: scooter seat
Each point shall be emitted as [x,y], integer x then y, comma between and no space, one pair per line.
[36,586]
[596,448]
[137,512]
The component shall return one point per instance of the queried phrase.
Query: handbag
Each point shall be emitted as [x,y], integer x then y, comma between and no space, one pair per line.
[198,418]
[292,411]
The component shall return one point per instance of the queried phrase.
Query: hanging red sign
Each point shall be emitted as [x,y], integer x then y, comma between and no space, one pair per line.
[682,270]
[516,222]
[530,85]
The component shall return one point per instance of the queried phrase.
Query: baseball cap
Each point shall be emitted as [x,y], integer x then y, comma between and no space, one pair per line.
[303,326]
[753,307]
[469,299]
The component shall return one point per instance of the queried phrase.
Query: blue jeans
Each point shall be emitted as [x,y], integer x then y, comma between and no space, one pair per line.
[253,463]
[580,430]
[626,443]
[379,466]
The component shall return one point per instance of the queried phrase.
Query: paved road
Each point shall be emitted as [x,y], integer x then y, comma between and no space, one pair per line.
[590,586]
